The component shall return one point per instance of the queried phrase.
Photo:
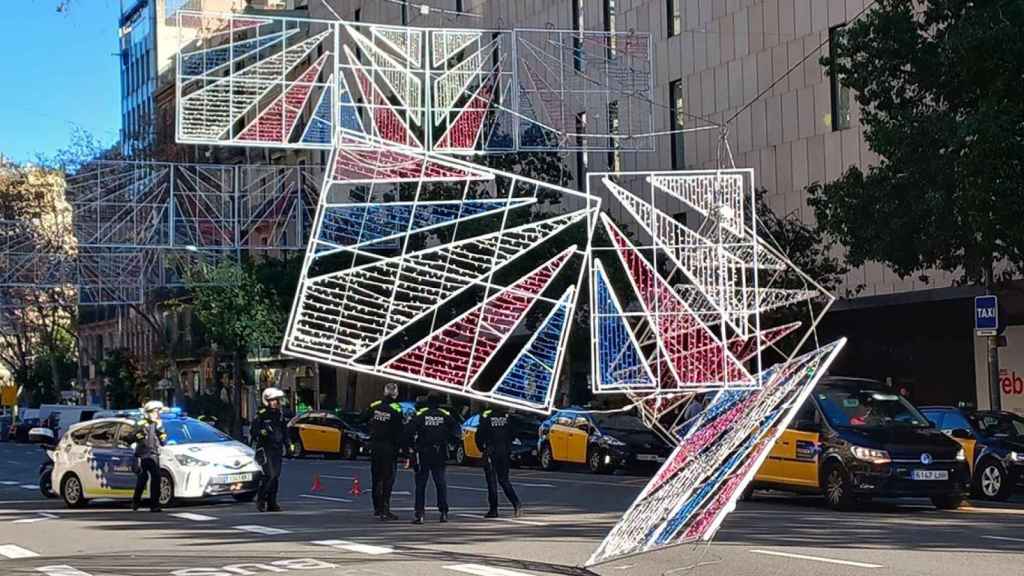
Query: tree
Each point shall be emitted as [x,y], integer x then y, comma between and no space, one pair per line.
[125,384]
[939,83]
[238,313]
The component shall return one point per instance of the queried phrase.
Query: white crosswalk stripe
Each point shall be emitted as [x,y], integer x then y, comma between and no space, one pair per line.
[9,482]
[30,486]
[13,552]
[42,516]
[265,530]
[328,498]
[510,520]
[193,517]
[354,547]
[481,570]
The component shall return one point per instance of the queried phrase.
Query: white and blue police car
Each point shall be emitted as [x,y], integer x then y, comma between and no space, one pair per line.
[94,459]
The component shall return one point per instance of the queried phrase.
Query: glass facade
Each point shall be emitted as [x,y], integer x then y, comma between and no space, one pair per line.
[138,76]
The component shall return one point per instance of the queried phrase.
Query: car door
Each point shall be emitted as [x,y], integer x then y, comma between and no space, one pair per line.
[469,429]
[332,434]
[558,437]
[576,440]
[954,420]
[793,460]
[110,466]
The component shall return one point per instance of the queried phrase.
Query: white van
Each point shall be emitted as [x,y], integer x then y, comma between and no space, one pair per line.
[66,416]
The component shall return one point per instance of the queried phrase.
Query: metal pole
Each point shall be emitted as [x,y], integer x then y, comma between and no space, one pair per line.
[995,399]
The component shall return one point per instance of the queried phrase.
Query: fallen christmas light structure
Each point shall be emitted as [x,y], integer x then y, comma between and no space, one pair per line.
[426,267]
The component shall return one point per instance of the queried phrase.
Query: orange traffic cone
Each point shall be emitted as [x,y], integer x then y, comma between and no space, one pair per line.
[317,487]
[356,489]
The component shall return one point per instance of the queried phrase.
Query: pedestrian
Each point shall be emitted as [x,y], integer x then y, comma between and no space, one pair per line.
[149,437]
[432,428]
[384,419]
[494,440]
[270,438]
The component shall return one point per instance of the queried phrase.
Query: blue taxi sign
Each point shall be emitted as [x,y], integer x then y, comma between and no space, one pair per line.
[986,315]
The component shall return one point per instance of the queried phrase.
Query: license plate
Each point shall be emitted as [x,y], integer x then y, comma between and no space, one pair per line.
[929,475]
[650,458]
[235,478]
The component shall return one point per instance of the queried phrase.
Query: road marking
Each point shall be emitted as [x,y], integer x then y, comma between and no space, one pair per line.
[30,486]
[402,493]
[61,570]
[1005,538]
[480,570]
[354,547]
[474,489]
[42,516]
[265,530]
[536,485]
[331,498]
[818,559]
[193,517]
[512,520]
[337,477]
[11,551]
[9,483]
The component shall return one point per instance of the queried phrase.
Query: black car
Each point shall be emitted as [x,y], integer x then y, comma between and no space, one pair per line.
[19,431]
[524,439]
[854,439]
[603,442]
[994,442]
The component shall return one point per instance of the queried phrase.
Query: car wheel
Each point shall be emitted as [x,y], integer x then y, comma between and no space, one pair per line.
[166,498]
[71,491]
[298,450]
[838,492]
[594,461]
[991,481]
[460,456]
[349,450]
[547,459]
[246,497]
[948,501]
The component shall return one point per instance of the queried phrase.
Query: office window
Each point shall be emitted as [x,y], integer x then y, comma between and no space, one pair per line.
[676,121]
[581,155]
[614,155]
[609,26]
[840,95]
[459,6]
[405,14]
[577,40]
[673,17]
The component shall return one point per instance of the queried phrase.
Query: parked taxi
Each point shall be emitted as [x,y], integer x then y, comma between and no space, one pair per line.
[603,442]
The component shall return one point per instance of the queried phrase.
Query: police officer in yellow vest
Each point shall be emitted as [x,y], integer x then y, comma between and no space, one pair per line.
[149,437]
[432,428]
[384,419]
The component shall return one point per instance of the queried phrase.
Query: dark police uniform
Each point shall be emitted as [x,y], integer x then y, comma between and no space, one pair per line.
[270,437]
[432,428]
[494,440]
[384,419]
[149,437]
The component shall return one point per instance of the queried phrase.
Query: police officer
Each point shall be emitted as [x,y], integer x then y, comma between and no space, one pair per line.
[432,428]
[270,438]
[149,437]
[494,440]
[384,418]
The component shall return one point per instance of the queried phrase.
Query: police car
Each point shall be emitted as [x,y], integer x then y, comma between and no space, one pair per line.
[95,460]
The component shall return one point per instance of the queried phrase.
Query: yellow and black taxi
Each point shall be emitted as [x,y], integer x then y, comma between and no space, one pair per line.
[855,439]
[604,442]
[994,443]
[524,439]
[334,435]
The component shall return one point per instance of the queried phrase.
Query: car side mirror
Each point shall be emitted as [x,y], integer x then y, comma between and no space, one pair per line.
[42,436]
[961,434]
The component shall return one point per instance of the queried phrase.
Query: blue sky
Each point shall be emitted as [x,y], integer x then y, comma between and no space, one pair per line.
[58,70]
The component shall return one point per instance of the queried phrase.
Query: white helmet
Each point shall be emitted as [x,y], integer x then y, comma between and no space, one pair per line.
[153,406]
[272,394]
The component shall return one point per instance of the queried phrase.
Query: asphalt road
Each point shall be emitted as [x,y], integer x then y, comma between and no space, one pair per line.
[568,513]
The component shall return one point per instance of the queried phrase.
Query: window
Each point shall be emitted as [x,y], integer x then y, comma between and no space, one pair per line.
[577,40]
[676,122]
[581,155]
[673,17]
[103,435]
[80,435]
[460,6]
[405,14]
[609,26]
[840,94]
[614,155]
[125,435]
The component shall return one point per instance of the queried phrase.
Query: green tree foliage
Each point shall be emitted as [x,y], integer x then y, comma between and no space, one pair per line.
[940,85]
[125,385]
[237,311]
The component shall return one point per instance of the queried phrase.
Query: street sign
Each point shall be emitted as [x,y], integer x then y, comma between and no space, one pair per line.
[8,395]
[986,315]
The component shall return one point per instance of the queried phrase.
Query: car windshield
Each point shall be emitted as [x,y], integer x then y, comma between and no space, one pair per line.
[1002,425]
[192,432]
[871,408]
[621,422]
